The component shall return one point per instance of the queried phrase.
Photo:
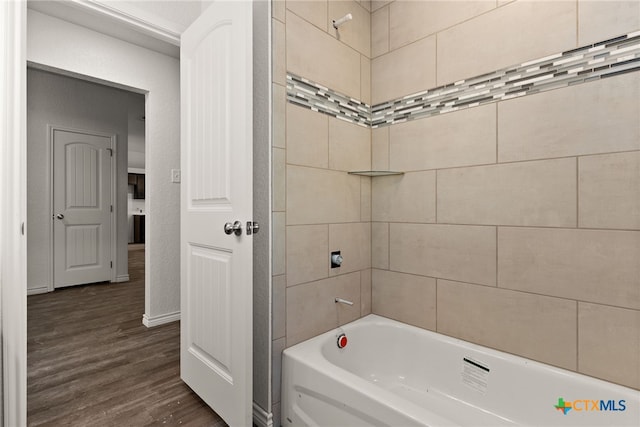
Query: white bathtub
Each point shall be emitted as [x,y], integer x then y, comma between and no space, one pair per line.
[392,374]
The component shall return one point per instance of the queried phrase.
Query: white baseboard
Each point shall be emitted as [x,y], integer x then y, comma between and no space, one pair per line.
[38,290]
[121,278]
[150,322]
[260,417]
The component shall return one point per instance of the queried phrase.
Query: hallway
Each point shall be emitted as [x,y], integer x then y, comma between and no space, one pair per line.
[92,362]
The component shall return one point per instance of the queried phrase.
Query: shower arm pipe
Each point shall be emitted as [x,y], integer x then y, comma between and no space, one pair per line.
[338,22]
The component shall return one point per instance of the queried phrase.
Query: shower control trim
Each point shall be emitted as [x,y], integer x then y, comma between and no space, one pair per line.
[336,259]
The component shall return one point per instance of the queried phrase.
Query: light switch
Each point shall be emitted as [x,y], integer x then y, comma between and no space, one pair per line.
[175,175]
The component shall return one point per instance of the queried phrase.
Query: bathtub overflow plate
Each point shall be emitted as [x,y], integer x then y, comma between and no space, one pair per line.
[342,341]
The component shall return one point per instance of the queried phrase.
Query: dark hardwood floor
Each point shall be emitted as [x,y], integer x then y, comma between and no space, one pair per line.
[91,362]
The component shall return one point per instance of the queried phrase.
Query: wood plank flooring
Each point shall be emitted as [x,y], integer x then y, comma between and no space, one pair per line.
[91,362]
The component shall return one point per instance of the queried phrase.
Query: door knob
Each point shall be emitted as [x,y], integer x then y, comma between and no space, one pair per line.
[60,216]
[235,228]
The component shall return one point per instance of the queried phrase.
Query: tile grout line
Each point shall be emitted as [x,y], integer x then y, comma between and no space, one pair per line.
[436,303]
[577,336]
[497,257]
[577,192]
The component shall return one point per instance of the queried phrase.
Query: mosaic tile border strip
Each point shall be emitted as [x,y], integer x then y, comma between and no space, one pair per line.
[303,92]
[600,60]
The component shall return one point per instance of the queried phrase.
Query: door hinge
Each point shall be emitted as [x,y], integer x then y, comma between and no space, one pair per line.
[111,208]
[110,150]
[22,228]
[110,264]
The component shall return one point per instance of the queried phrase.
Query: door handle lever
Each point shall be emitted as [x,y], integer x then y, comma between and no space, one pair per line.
[60,216]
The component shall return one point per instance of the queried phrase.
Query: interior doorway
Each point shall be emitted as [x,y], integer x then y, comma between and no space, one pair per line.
[56,44]
[77,149]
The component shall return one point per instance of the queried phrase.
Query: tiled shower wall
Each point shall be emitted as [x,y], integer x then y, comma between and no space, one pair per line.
[516,223]
[317,206]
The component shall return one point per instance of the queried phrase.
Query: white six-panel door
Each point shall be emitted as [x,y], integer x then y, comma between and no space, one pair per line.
[82,213]
[216,267]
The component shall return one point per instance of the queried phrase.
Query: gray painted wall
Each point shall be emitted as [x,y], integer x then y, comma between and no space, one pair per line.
[63,101]
[136,130]
[262,206]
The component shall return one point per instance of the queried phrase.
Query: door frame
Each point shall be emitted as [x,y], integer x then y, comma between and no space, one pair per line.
[13,215]
[13,176]
[114,199]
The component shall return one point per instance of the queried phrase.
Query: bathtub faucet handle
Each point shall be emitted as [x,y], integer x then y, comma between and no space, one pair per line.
[343,301]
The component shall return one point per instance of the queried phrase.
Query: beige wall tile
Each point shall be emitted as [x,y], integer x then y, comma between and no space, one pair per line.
[380,245]
[278,296]
[277,348]
[609,191]
[404,71]
[313,11]
[278,183]
[576,120]
[365,198]
[541,193]
[279,50]
[602,20]
[307,253]
[347,286]
[456,252]
[311,307]
[311,310]
[279,9]
[380,32]
[405,198]
[349,146]
[365,292]
[365,79]
[355,33]
[404,297]
[316,55]
[278,243]
[590,265]
[307,137]
[366,4]
[380,148]
[534,326]
[279,103]
[412,20]
[487,42]
[377,4]
[318,196]
[609,343]
[463,138]
[353,240]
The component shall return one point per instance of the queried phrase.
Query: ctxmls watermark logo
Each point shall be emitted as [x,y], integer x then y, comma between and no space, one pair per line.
[590,405]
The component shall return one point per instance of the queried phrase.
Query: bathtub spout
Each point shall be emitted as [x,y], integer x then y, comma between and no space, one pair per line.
[343,301]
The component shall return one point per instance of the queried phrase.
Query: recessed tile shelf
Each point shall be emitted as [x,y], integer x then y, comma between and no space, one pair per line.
[375,173]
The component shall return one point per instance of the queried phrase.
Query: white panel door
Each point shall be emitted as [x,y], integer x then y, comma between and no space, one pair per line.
[81,207]
[217,158]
